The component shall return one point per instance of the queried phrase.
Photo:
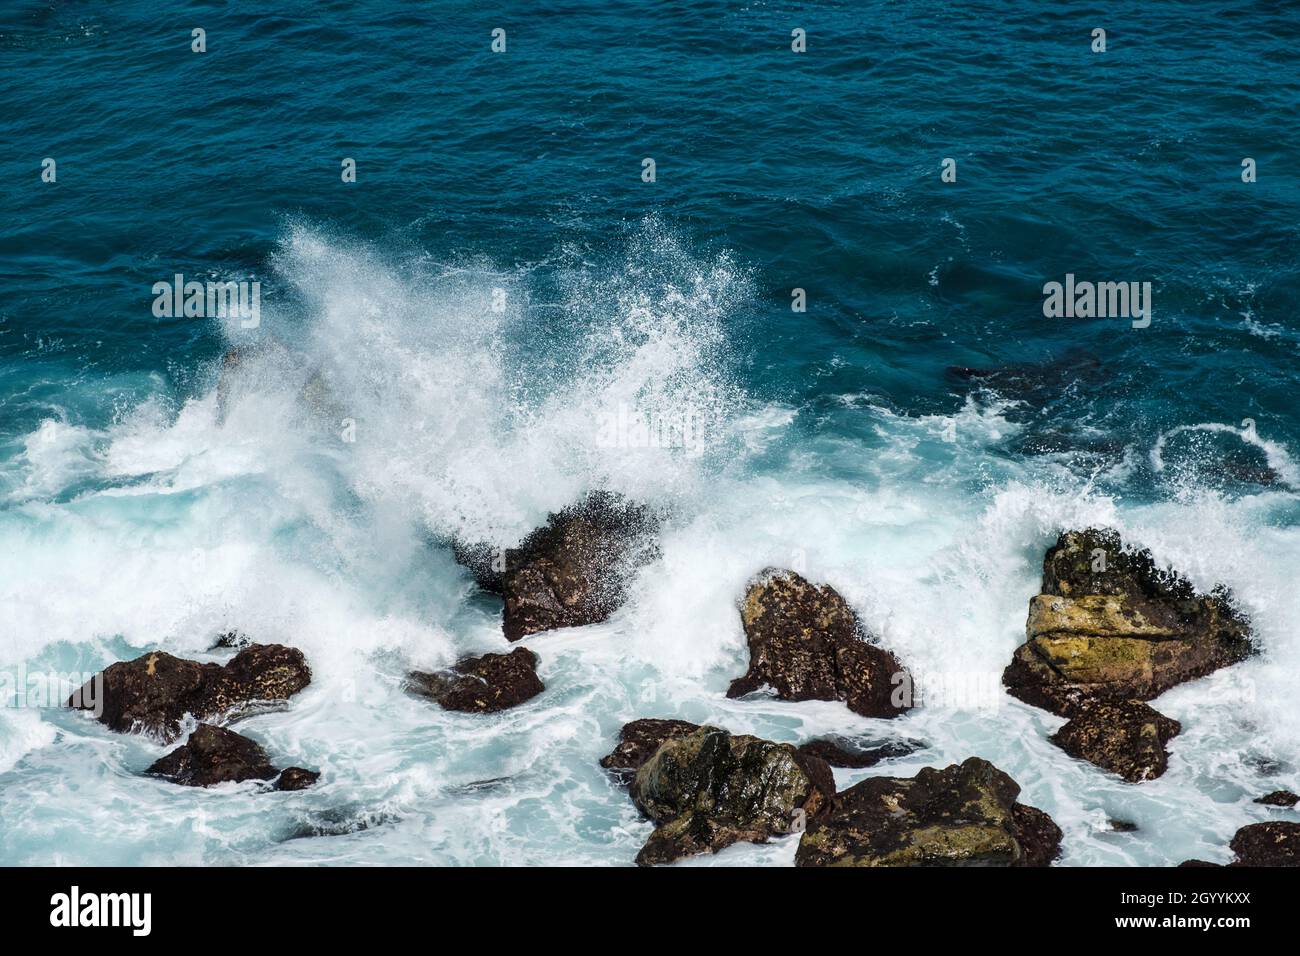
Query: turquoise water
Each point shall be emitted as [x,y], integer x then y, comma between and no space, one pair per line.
[500,283]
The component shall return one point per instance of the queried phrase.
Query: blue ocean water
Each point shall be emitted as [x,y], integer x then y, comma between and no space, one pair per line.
[500,280]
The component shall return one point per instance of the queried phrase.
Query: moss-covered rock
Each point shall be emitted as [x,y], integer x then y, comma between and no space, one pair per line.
[806,643]
[1110,624]
[709,789]
[963,815]
[1125,737]
[637,742]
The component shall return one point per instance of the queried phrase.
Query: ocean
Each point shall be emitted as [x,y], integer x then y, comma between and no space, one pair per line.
[798,339]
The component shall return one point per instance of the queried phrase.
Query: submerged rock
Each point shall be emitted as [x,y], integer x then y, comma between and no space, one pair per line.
[1125,737]
[963,815]
[573,571]
[1110,624]
[214,755]
[1279,798]
[807,644]
[484,684]
[1267,844]
[154,692]
[858,753]
[709,789]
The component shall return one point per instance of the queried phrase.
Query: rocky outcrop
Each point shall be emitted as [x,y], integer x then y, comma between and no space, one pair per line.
[1126,737]
[483,685]
[1279,798]
[709,789]
[296,778]
[215,755]
[1267,844]
[638,741]
[574,570]
[1110,624]
[485,563]
[857,753]
[963,815]
[806,643]
[154,692]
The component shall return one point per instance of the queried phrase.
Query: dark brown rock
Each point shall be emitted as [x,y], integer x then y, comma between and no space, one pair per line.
[638,741]
[485,562]
[1125,737]
[1189,864]
[1111,625]
[1267,844]
[807,644]
[857,754]
[1279,798]
[963,815]
[214,755]
[483,685]
[154,692]
[710,789]
[296,778]
[574,570]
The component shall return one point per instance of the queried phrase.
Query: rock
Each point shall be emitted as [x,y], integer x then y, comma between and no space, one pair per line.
[484,561]
[1122,826]
[807,644]
[296,778]
[1188,864]
[1127,630]
[965,814]
[1267,844]
[1279,798]
[1125,737]
[709,789]
[573,571]
[858,753]
[152,693]
[638,741]
[483,685]
[214,755]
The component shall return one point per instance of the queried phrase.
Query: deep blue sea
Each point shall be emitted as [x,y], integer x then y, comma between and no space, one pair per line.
[500,283]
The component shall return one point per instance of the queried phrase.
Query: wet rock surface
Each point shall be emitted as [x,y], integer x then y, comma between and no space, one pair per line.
[296,778]
[214,755]
[484,684]
[857,753]
[1110,624]
[806,643]
[574,570]
[963,815]
[638,741]
[1279,798]
[154,692]
[709,789]
[1267,844]
[1125,737]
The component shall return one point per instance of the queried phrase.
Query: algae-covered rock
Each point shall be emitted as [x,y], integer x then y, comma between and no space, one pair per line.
[214,755]
[574,570]
[154,692]
[484,684]
[1110,624]
[709,789]
[963,815]
[1125,737]
[806,643]
[637,742]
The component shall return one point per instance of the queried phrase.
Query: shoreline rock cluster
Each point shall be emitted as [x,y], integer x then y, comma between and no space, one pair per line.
[154,693]
[1109,632]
